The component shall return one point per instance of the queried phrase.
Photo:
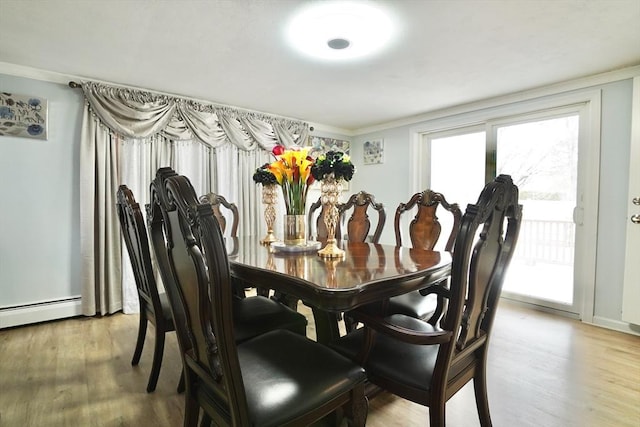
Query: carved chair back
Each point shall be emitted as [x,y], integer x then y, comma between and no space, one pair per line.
[137,243]
[358,225]
[162,224]
[425,228]
[216,200]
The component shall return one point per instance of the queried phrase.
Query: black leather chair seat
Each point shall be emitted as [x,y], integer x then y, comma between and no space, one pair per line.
[256,315]
[414,304]
[278,383]
[412,364]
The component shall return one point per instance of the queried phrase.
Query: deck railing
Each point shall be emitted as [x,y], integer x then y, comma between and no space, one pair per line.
[546,241]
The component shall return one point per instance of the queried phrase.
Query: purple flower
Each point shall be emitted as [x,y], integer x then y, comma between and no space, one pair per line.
[35,130]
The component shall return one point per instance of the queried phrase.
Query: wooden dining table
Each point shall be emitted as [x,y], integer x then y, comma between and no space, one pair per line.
[368,273]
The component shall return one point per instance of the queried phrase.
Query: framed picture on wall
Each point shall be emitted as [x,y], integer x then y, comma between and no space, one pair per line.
[23,116]
[373,151]
[321,145]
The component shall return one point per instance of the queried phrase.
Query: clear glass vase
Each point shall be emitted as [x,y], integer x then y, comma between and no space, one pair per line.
[295,230]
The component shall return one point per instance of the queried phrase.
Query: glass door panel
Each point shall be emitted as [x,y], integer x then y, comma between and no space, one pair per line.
[457,165]
[542,158]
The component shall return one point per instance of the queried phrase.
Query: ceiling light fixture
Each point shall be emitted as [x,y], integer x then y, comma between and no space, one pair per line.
[338,43]
[340,30]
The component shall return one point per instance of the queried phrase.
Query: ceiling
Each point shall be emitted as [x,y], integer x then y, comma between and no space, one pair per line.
[448,52]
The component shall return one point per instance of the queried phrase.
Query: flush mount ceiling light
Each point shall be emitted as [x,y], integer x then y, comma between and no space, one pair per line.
[340,30]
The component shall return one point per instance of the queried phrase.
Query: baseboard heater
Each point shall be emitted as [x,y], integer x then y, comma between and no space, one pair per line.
[42,311]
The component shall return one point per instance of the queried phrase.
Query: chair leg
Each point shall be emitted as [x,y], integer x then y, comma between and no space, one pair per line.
[157,361]
[358,408]
[191,411]
[142,333]
[482,402]
[206,420]
[181,386]
[349,324]
[437,414]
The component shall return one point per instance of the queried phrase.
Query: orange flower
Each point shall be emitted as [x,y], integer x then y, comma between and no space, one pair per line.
[292,169]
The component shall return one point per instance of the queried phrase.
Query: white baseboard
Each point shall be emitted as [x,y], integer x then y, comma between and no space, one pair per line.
[616,325]
[40,312]
[603,322]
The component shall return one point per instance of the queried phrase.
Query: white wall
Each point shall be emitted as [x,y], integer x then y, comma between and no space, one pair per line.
[39,219]
[391,183]
[614,187]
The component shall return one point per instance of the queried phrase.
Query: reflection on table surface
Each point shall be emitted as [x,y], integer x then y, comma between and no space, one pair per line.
[368,272]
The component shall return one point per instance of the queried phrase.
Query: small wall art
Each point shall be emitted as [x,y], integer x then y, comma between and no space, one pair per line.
[23,116]
[373,151]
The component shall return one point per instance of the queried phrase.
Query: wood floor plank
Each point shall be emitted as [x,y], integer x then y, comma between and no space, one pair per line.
[543,370]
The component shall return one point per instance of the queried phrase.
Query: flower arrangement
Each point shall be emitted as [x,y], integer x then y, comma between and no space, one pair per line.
[335,162]
[292,171]
[263,176]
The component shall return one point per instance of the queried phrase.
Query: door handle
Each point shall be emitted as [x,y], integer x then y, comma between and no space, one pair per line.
[636,200]
[578,216]
[635,219]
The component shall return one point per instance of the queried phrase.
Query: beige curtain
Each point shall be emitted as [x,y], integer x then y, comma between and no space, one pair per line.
[99,227]
[218,147]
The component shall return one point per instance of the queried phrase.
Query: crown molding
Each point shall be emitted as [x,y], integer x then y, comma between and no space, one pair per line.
[566,86]
[553,89]
[54,77]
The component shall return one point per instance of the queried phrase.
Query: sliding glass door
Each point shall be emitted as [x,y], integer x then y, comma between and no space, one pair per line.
[459,178]
[541,156]
[540,152]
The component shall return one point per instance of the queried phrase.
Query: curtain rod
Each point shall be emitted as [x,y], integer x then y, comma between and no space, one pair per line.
[75,85]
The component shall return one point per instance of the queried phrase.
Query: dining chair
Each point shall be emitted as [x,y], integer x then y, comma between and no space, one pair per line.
[424,231]
[358,225]
[154,306]
[252,315]
[426,363]
[216,201]
[275,379]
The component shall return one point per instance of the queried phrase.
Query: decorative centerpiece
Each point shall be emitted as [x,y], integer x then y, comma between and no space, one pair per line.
[263,176]
[332,168]
[292,171]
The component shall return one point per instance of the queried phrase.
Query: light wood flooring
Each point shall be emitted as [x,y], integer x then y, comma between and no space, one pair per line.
[543,371]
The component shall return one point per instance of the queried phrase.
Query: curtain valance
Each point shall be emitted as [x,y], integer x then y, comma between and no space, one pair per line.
[139,114]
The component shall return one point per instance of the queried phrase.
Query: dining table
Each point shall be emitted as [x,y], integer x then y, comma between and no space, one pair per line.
[367,273]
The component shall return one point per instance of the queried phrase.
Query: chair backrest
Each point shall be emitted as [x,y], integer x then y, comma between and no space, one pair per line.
[482,252]
[425,228]
[202,292]
[358,224]
[137,243]
[216,200]
[161,226]
[316,227]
